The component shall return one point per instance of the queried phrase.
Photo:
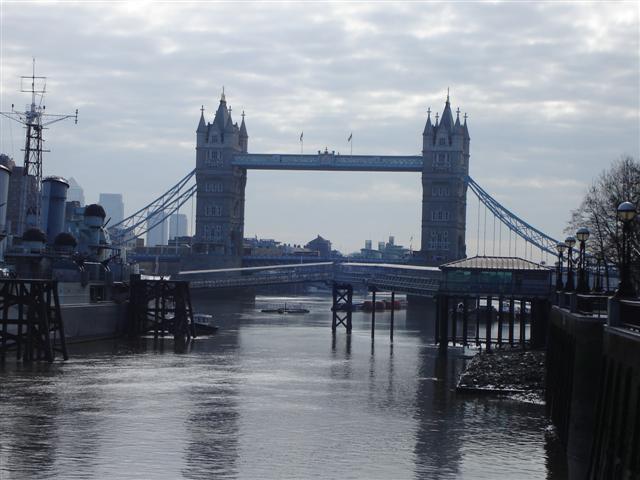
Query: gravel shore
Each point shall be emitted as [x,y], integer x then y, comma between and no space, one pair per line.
[505,372]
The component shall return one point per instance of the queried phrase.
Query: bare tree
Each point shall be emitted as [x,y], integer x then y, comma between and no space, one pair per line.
[597,212]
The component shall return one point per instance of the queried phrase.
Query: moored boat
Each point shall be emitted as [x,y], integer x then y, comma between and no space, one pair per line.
[204,324]
[285,309]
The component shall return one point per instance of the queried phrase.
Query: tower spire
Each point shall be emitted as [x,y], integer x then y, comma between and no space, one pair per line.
[222,97]
[428,127]
[201,125]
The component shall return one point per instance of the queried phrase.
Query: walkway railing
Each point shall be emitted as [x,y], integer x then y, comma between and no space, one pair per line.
[618,312]
[630,314]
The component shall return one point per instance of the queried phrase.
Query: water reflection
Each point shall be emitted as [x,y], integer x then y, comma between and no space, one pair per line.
[28,402]
[211,450]
[268,397]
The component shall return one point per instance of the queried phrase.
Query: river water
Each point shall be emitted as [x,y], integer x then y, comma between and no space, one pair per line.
[269,396]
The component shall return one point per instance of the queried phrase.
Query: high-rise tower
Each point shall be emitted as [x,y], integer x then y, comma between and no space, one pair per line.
[445,150]
[220,185]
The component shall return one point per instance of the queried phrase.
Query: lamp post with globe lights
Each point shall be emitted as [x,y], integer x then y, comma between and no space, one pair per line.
[570,242]
[560,247]
[626,214]
[583,284]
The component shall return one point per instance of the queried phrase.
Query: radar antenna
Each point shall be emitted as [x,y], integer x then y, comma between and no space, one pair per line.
[35,120]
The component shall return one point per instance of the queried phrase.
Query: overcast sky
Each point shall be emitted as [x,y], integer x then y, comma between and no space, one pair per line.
[552,92]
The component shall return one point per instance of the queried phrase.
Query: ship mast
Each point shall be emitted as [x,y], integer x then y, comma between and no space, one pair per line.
[34,120]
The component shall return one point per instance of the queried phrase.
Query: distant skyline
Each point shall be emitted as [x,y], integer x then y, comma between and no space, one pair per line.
[552,91]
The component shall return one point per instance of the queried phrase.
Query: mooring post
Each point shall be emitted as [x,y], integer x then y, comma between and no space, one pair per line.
[334,308]
[349,307]
[373,313]
[477,321]
[19,339]
[443,318]
[500,321]
[437,329]
[454,321]
[487,326]
[393,308]
[465,322]
[512,313]
[5,323]
[523,312]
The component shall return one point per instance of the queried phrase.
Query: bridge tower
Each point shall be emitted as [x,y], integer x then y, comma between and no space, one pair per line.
[220,188]
[445,151]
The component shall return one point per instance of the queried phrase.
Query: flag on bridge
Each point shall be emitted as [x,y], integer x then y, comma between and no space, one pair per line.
[350,137]
[301,135]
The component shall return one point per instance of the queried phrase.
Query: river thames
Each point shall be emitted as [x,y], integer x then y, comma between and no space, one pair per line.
[268,396]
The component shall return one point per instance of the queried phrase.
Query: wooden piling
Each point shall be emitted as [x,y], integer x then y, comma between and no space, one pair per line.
[443,317]
[500,299]
[512,312]
[477,321]
[487,327]
[454,322]
[465,322]
[393,309]
[39,328]
[523,313]
[373,313]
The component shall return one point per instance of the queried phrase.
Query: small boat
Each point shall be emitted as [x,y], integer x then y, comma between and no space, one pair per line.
[285,309]
[204,324]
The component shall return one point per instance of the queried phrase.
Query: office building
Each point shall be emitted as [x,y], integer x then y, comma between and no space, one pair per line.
[177,225]
[113,206]
[158,234]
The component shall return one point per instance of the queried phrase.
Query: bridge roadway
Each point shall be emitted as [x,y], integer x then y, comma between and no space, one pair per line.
[329,161]
[412,279]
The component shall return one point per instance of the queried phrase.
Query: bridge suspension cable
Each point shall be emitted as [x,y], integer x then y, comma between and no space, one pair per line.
[515,224]
[154,213]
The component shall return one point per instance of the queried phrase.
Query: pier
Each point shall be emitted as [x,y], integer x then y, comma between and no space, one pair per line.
[161,307]
[31,320]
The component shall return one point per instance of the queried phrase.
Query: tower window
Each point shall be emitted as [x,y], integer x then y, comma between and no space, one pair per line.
[440,191]
[438,240]
[213,159]
[442,141]
[212,211]
[442,161]
[215,187]
[213,233]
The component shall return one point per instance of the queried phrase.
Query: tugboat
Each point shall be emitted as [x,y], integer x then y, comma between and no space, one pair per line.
[204,324]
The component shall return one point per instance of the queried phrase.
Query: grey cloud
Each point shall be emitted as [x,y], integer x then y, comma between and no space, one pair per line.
[552,91]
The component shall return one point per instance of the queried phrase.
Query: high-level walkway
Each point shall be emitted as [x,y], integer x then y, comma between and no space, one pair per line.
[330,161]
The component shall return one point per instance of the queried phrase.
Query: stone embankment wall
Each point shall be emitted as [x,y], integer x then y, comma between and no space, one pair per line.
[593,394]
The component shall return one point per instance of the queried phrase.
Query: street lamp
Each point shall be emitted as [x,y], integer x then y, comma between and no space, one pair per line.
[626,213]
[570,242]
[561,247]
[583,285]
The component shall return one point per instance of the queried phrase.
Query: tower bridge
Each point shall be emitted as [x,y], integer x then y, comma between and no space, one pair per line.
[223,159]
